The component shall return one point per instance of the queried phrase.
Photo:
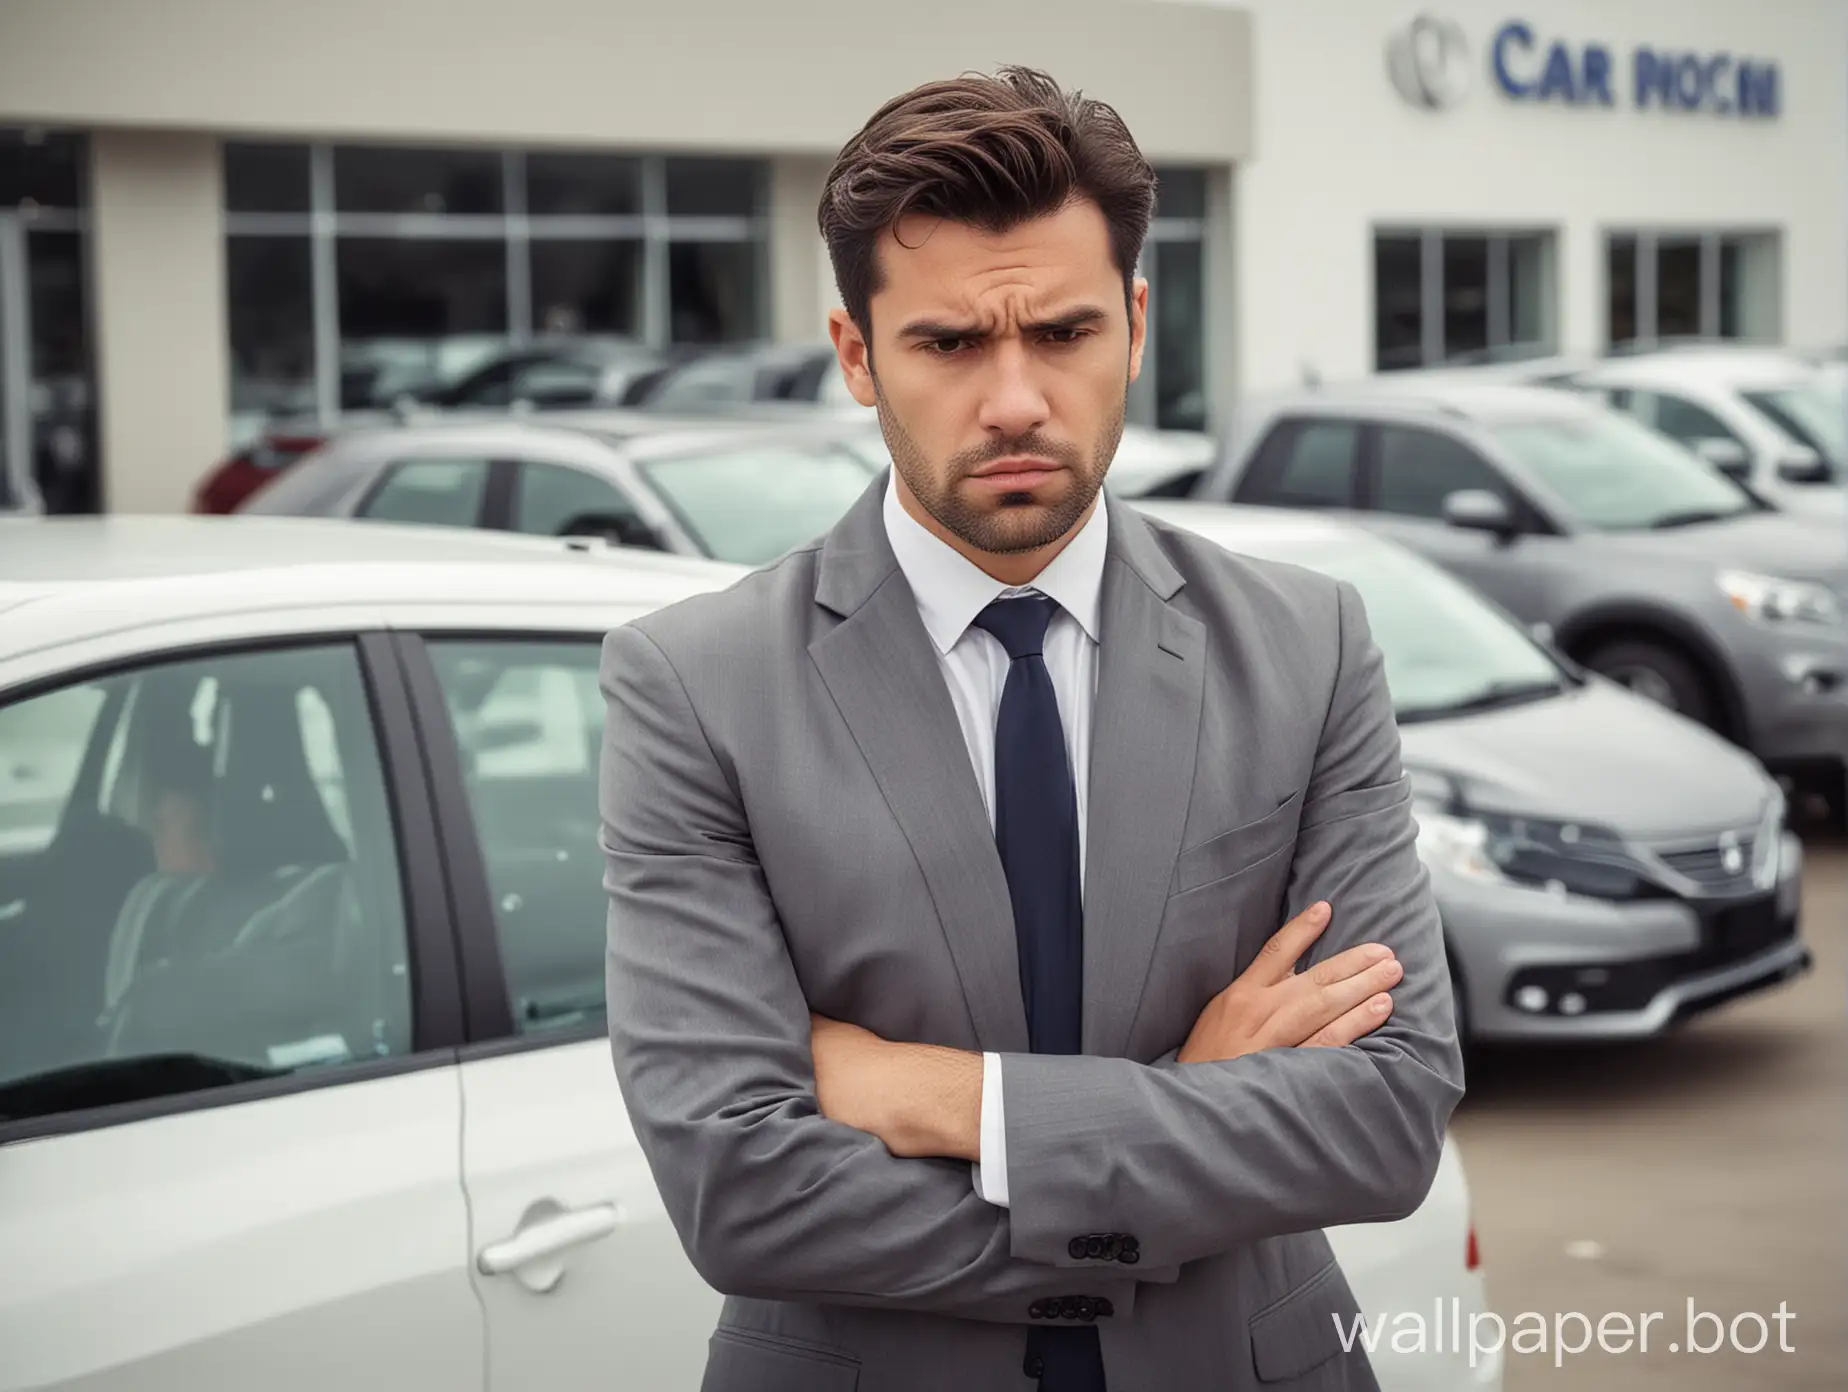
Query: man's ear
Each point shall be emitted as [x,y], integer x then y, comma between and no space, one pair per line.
[1138,324]
[855,354]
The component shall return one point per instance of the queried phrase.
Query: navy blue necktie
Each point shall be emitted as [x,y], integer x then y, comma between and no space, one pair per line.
[1036,832]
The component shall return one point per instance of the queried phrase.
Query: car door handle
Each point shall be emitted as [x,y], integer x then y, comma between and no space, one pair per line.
[548,1236]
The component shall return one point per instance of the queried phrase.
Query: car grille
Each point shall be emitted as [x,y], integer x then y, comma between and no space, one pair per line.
[1707,866]
[1744,930]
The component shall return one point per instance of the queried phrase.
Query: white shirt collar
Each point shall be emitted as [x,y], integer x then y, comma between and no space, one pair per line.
[951,589]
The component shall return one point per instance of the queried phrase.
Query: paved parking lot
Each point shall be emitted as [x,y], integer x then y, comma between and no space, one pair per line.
[1710,1165]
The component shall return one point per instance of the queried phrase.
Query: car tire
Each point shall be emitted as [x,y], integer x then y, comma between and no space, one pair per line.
[1660,673]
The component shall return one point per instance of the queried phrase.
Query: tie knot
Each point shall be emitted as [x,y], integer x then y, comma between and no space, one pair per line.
[1019,622]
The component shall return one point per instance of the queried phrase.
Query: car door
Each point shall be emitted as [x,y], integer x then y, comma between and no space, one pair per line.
[1412,470]
[583,1278]
[230,1116]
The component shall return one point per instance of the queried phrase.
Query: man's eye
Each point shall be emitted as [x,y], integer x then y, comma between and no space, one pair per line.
[1064,337]
[946,347]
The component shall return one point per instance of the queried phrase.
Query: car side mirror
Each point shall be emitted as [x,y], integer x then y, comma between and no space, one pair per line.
[616,528]
[1728,456]
[1804,466]
[1479,510]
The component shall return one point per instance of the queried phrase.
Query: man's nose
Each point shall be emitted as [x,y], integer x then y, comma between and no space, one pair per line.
[1013,404]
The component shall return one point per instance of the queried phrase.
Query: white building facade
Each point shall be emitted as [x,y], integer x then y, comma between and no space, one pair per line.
[1483,177]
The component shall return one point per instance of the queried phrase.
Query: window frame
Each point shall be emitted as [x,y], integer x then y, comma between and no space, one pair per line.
[437,1020]
[1647,241]
[1500,241]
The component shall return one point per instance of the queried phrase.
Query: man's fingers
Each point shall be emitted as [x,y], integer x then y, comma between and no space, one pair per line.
[1316,1007]
[1350,963]
[1363,1019]
[1277,958]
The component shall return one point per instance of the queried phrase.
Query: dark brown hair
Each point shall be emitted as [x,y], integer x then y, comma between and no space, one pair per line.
[992,152]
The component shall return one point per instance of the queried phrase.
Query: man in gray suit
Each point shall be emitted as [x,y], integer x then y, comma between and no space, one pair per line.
[946,856]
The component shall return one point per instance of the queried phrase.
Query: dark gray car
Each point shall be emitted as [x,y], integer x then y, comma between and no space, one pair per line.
[1646,565]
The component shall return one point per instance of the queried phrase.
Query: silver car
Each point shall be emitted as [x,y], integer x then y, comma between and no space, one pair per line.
[1646,566]
[1605,868]
[1765,417]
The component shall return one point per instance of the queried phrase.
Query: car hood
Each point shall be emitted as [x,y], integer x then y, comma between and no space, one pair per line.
[1801,547]
[1597,754]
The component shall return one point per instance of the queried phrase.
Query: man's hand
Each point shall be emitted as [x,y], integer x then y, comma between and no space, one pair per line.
[920,1099]
[1272,1007]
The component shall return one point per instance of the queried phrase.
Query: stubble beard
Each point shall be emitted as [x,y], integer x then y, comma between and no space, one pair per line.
[1020,522]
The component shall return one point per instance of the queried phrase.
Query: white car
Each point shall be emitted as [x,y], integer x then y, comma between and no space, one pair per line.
[304,1079]
[1769,418]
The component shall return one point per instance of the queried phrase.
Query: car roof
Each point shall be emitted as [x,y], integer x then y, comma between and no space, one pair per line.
[1255,530]
[1714,367]
[1432,396]
[65,578]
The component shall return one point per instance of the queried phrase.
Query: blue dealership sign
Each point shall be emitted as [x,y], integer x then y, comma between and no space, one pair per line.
[1528,68]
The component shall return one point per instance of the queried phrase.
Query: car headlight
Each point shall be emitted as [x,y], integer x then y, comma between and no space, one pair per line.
[1768,850]
[1559,858]
[1774,600]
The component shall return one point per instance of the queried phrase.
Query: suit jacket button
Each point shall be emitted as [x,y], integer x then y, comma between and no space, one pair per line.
[1035,1366]
[1037,1310]
[1113,1247]
[1104,1307]
[1130,1257]
[1068,1307]
[1094,1247]
[1078,1246]
[1129,1242]
[1087,1310]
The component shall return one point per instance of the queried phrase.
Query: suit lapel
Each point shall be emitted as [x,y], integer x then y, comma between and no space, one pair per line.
[882,671]
[1146,729]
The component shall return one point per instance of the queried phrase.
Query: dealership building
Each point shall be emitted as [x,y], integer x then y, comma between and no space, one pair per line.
[211,210]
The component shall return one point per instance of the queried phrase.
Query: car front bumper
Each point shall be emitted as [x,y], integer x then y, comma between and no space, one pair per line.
[1614,971]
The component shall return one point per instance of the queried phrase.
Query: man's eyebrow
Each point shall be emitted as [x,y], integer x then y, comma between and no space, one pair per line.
[930,330]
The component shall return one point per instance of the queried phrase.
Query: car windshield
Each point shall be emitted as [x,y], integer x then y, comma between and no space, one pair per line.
[1446,650]
[1812,415]
[749,504]
[1615,475]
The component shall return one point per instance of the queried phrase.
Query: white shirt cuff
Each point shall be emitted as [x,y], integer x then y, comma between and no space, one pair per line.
[991,1169]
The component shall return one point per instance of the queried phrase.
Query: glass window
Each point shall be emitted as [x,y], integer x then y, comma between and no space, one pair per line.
[1466,295]
[1813,416]
[529,722]
[270,303]
[568,184]
[1179,287]
[60,381]
[1442,646]
[1615,474]
[420,288]
[550,496]
[431,492]
[41,748]
[41,168]
[1529,274]
[1621,324]
[587,287]
[719,379]
[1418,469]
[1678,288]
[714,292]
[702,187]
[1180,193]
[753,504]
[1398,302]
[267,178]
[376,179]
[1679,418]
[1305,464]
[227,905]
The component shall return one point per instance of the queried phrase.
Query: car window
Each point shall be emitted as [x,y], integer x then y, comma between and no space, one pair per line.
[1305,464]
[1614,474]
[714,381]
[434,492]
[548,496]
[223,902]
[1418,469]
[1678,418]
[751,504]
[42,744]
[528,718]
[1812,416]
[557,382]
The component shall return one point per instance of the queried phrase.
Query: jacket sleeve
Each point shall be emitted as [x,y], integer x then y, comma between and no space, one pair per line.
[1195,1159]
[709,1030]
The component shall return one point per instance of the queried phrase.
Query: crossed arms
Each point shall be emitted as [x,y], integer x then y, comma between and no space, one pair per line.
[1229,1141]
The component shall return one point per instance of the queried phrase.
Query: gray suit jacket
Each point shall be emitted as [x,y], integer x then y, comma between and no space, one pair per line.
[790,823]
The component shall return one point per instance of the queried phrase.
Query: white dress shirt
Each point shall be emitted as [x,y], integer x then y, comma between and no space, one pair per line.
[951,590]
